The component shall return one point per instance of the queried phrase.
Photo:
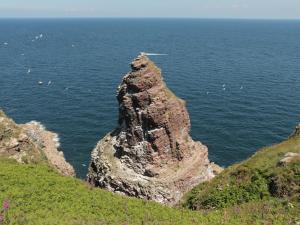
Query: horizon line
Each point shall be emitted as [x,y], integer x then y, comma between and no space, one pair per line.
[125,17]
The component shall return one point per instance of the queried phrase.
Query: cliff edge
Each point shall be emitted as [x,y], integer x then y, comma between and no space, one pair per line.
[150,154]
[31,143]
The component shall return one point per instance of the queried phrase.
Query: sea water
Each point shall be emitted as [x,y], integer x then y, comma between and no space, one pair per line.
[240,78]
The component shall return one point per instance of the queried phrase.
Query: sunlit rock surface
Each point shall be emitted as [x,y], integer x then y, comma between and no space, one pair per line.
[150,154]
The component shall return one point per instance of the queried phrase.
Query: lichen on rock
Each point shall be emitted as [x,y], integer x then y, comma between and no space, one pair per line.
[150,154]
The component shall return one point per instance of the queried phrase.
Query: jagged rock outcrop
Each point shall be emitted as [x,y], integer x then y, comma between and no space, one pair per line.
[151,154]
[31,143]
[296,132]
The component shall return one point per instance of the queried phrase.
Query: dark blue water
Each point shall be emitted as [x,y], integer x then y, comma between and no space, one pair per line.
[257,62]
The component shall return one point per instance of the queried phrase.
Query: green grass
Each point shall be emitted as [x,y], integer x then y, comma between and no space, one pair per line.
[259,178]
[38,195]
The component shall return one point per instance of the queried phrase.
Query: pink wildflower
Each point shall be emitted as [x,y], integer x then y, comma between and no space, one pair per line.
[1,218]
[6,205]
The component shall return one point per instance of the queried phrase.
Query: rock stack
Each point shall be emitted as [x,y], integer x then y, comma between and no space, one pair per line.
[150,154]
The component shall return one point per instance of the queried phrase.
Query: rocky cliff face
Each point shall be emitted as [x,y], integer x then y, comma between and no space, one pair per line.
[30,143]
[151,154]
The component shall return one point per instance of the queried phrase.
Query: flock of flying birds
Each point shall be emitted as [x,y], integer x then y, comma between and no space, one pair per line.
[36,38]
[40,36]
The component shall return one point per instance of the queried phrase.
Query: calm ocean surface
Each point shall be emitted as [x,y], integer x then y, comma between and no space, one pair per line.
[241,79]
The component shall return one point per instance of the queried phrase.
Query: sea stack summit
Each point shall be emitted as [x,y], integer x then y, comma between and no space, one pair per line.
[150,154]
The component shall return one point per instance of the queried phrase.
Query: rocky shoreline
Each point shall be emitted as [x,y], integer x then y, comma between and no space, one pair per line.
[31,143]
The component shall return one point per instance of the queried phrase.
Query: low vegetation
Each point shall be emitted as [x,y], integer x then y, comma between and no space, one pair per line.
[38,195]
[265,177]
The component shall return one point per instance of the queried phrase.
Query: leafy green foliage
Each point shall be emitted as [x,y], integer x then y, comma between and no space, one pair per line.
[257,179]
[285,182]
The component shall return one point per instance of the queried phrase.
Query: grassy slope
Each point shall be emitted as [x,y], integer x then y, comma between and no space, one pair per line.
[256,180]
[38,195]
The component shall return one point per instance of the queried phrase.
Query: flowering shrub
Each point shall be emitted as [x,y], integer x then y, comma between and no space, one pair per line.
[3,211]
